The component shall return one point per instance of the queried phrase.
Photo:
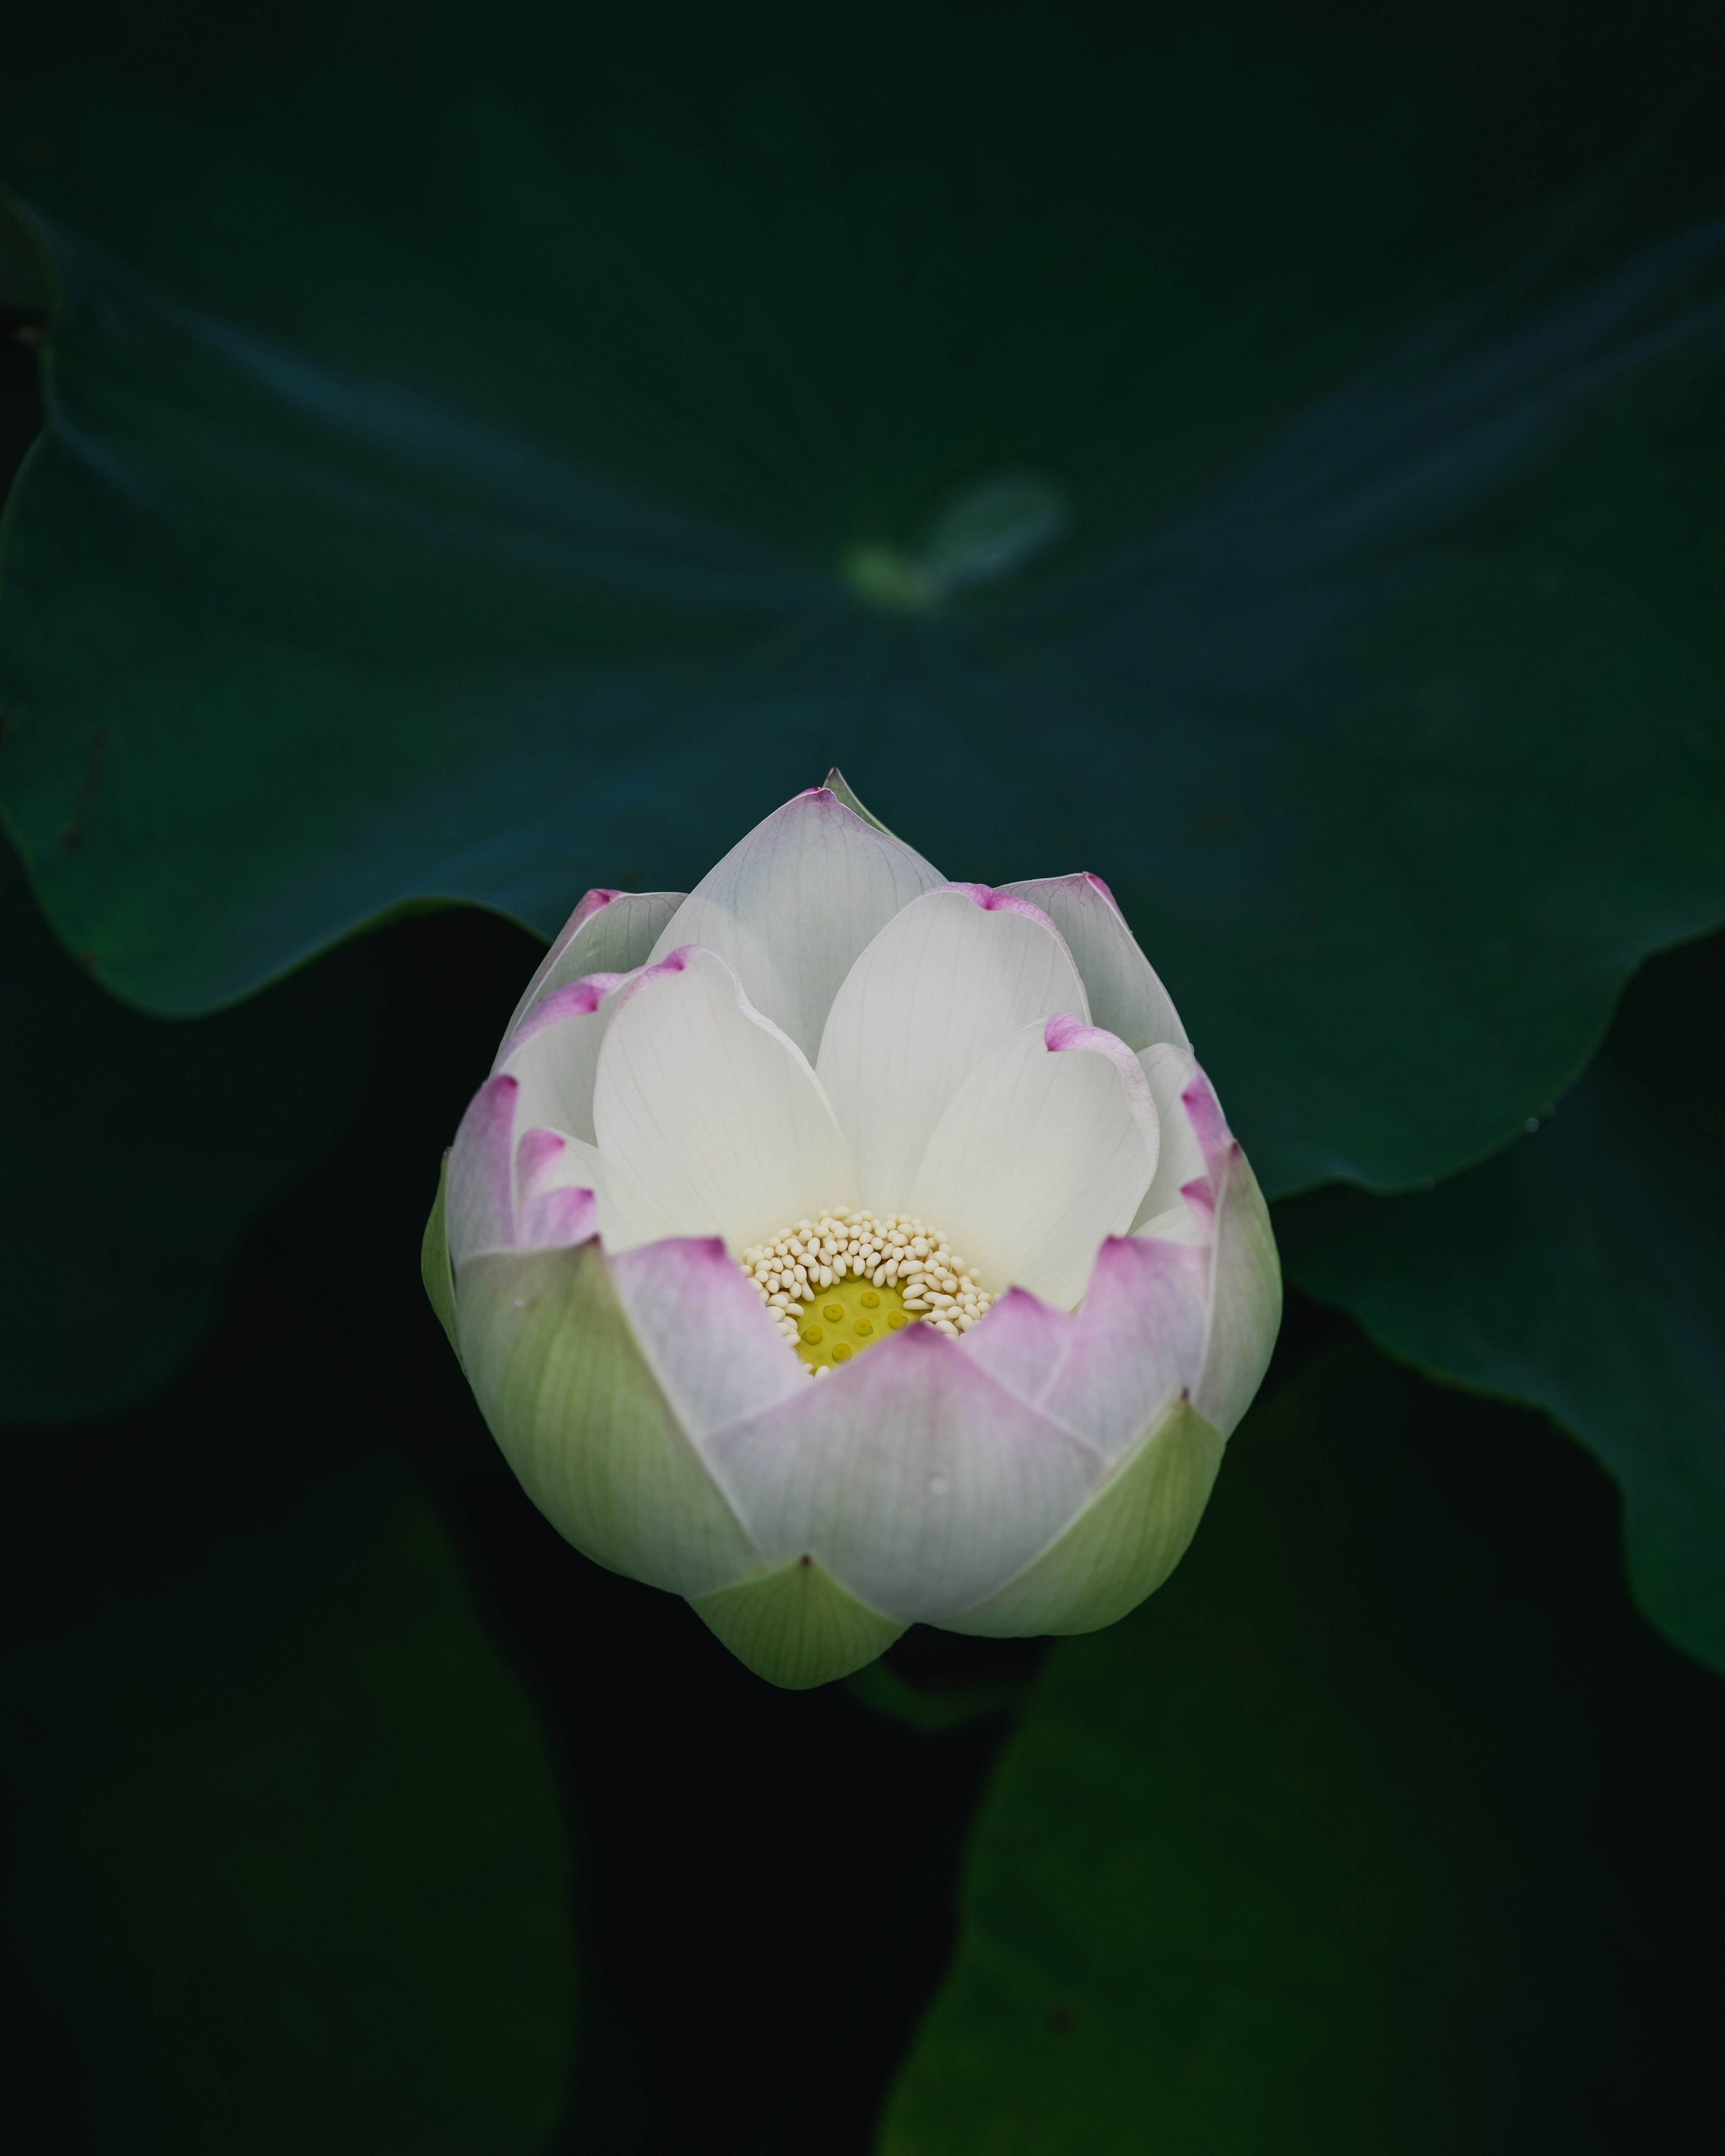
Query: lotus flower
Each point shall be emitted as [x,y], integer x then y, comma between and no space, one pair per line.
[842,1248]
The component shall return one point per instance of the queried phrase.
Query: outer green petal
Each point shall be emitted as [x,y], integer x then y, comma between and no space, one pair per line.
[434,1268]
[561,1381]
[797,1626]
[1120,1547]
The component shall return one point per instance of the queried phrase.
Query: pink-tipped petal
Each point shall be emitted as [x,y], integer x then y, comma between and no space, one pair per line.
[574,999]
[1209,1123]
[555,1219]
[1064,1033]
[1137,1345]
[554,1053]
[1041,1154]
[480,1208]
[1176,1208]
[920,1483]
[1020,1343]
[1245,1294]
[705,1331]
[1005,898]
[1125,995]
[538,1162]
[713,1112]
[795,903]
[610,931]
[624,1215]
[947,981]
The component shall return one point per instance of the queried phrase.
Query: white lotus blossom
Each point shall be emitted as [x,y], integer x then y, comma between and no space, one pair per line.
[842,1248]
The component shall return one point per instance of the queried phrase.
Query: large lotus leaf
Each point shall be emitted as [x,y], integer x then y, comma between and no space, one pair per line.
[138,1150]
[1582,1271]
[499,449]
[287,1864]
[1370,1835]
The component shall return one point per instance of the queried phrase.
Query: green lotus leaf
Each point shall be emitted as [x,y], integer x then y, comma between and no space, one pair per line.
[492,450]
[140,1152]
[1582,1271]
[1357,1836]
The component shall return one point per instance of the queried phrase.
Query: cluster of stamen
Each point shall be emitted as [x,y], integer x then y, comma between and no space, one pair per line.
[838,1284]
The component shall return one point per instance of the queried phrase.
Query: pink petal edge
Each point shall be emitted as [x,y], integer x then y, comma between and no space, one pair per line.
[830,1472]
[480,1203]
[674,962]
[557,1218]
[574,999]
[1208,1121]
[1020,1343]
[1136,1343]
[704,1331]
[992,901]
[536,1154]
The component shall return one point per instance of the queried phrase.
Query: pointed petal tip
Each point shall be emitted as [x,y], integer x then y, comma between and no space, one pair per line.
[673,963]
[796,1626]
[917,1477]
[992,899]
[1124,992]
[609,930]
[536,1154]
[703,1331]
[1200,1103]
[558,1219]
[575,999]
[600,895]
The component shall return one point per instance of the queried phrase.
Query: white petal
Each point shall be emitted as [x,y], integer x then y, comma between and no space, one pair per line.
[1046,1148]
[554,1053]
[706,1335]
[552,1208]
[1137,1346]
[714,1115]
[626,1216]
[795,902]
[610,931]
[1021,1342]
[1165,1214]
[1125,995]
[919,1482]
[954,975]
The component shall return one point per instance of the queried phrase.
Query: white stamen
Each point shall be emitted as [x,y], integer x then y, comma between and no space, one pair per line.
[789,1270]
